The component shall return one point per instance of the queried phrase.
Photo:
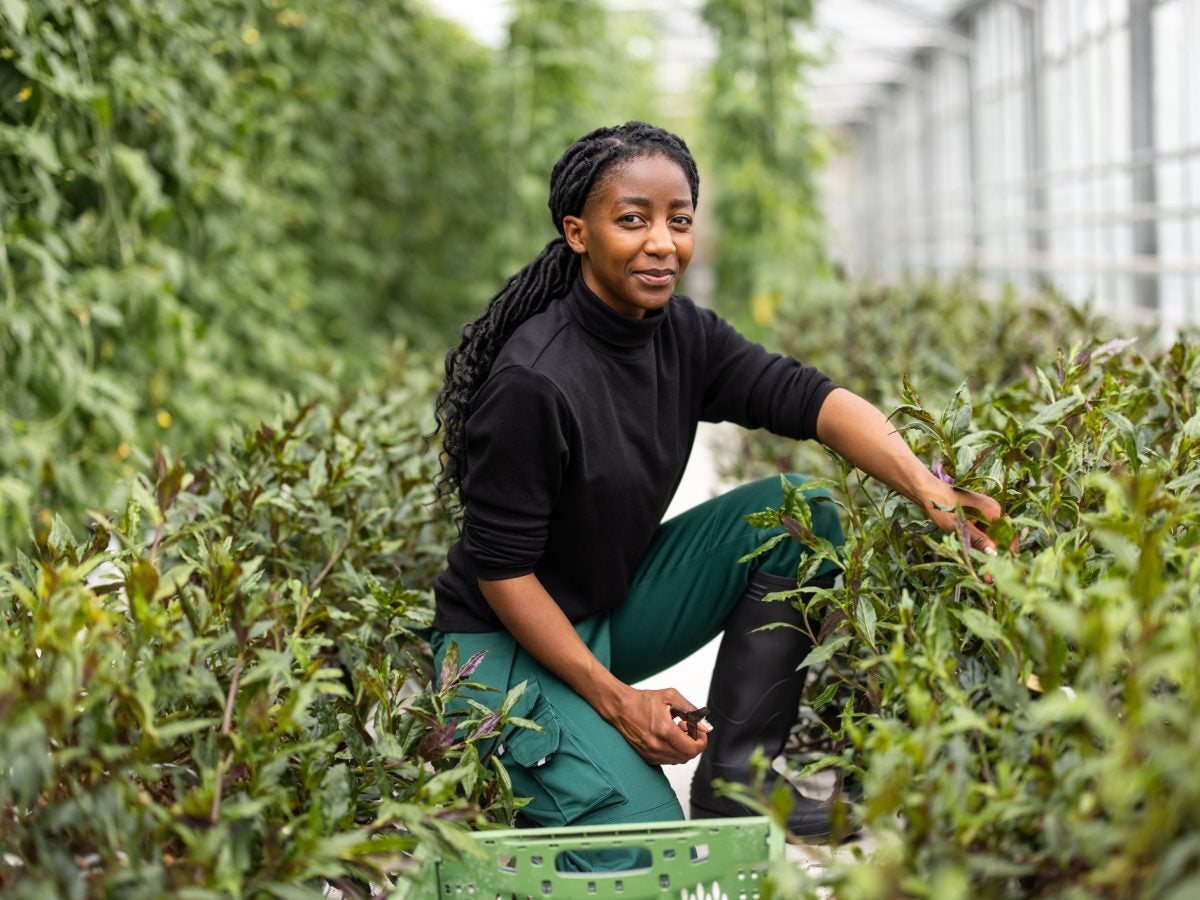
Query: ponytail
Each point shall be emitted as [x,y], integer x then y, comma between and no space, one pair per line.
[525,294]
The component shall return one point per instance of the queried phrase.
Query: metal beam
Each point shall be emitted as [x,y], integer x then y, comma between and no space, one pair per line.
[1142,113]
[946,35]
[1035,138]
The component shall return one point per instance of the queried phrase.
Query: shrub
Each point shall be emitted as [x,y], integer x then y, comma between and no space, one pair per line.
[206,206]
[224,691]
[1025,725]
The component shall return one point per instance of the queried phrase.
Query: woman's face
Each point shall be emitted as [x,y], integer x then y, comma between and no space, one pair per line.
[635,235]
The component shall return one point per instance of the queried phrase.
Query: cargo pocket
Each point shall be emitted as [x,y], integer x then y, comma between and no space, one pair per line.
[552,767]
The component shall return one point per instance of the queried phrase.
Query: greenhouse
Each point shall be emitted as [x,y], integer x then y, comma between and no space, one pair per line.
[599,448]
[1033,143]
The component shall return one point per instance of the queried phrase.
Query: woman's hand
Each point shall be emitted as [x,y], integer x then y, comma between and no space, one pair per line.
[645,721]
[857,431]
[947,520]
[643,717]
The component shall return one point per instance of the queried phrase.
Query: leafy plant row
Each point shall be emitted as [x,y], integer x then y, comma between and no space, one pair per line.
[763,152]
[224,691]
[1023,725]
[204,206]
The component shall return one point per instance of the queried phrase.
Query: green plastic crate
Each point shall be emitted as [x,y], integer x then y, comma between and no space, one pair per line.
[704,859]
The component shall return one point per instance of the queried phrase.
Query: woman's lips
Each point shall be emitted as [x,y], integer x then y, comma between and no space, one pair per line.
[656,277]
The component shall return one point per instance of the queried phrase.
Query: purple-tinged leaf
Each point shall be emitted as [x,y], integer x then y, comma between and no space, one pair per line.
[834,618]
[940,471]
[487,725]
[435,744]
[1113,347]
[471,665]
[964,530]
[142,580]
[168,486]
[199,482]
[797,530]
[99,542]
[449,666]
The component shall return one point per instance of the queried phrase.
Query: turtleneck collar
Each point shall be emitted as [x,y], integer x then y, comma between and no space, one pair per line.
[606,329]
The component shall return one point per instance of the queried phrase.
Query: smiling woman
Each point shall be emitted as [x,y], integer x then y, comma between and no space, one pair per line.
[568,413]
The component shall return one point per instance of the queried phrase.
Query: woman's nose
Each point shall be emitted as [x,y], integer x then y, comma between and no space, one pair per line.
[659,240]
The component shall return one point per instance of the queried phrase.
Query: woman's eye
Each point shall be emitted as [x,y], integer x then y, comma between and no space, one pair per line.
[628,219]
[683,221]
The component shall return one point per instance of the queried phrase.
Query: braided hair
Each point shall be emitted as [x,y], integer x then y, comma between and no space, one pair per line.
[549,276]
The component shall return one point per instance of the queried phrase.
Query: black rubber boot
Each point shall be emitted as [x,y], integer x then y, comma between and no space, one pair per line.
[754,701]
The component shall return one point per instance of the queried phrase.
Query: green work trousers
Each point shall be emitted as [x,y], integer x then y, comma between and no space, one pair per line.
[578,769]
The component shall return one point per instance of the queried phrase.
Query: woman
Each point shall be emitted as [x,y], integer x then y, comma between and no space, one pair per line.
[568,413]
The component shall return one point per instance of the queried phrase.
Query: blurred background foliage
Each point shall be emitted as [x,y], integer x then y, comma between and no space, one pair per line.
[763,151]
[207,207]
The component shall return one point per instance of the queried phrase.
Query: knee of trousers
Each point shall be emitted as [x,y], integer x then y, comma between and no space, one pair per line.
[786,555]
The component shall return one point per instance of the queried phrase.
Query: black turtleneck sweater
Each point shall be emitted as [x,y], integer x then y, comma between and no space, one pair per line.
[578,439]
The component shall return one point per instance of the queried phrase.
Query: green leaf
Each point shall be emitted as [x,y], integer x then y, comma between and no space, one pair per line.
[61,537]
[28,758]
[864,616]
[766,519]
[15,12]
[961,422]
[922,416]
[512,698]
[317,475]
[765,547]
[172,730]
[449,666]
[145,180]
[1183,890]
[1055,412]
[824,652]
[142,580]
[336,795]
[981,624]
[293,891]
[825,696]
[26,567]
[524,723]
[39,147]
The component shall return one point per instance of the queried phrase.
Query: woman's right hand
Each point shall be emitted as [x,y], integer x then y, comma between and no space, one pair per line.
[643,717]
[645,721]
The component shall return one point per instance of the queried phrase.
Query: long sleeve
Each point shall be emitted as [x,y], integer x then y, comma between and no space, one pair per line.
[749,385]
[518,450]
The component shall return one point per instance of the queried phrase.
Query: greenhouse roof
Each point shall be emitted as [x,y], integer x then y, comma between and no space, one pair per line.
[869,44]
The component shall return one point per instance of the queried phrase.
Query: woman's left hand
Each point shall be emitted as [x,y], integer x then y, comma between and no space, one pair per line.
[947,520]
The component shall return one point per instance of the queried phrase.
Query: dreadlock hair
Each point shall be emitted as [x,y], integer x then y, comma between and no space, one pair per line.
[546,278]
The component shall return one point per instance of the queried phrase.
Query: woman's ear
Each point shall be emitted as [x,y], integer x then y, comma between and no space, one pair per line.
[575,232]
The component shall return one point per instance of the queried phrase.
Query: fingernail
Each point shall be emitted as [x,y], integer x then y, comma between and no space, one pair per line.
[990,551]
[706,725]
[676,720]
